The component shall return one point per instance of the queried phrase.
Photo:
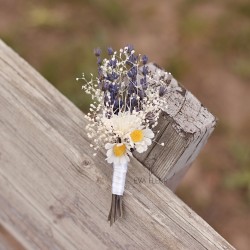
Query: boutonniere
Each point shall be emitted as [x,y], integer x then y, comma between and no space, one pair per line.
[125,109]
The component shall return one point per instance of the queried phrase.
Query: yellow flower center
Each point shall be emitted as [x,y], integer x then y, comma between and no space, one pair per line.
[136,135]
[119,150]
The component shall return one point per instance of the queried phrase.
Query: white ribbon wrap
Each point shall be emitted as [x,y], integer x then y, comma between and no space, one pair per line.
[119,178]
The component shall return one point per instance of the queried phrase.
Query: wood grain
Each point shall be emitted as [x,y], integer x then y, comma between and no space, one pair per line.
[55,195]
[184,125]
[8,242]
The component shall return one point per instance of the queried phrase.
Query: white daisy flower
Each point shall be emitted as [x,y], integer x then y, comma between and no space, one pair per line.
[141,139]
[117,153]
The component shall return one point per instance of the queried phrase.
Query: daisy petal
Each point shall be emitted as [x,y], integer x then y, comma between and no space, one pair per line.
[108,145]
[147,141]
[148,133]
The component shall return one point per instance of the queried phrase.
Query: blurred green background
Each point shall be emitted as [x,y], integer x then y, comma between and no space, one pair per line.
[204,44]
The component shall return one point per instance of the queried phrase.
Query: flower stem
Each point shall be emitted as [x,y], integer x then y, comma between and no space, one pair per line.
[115,209]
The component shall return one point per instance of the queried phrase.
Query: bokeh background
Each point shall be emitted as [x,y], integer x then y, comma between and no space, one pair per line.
[205,44]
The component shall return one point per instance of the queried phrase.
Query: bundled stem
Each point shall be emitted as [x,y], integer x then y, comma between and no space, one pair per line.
[118,185]
[115,209]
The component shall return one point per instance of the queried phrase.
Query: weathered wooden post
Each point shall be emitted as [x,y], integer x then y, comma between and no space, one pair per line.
[185,126]
[55,195]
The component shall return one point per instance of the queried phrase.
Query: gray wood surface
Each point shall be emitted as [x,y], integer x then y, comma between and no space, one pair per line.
[55,195]
[8,242]
[184,126]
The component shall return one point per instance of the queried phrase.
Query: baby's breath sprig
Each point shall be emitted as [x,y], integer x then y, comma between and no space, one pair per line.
[126,106]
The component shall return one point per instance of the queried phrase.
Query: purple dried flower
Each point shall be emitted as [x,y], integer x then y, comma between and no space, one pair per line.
[141,94]
[144,83]
[132,60]
[134,103]
[145,70]
[131,88]
[132,73]
[105,86]
[117,105]
[112,63]
[110,51]
[97,52]
[144,59]
[130,48]
[99,61]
